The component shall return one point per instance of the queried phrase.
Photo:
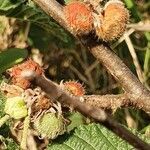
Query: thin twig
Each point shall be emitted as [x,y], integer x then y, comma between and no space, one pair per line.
[134,57]
[81,77]
[91,67]
[27,29]
[131,123]
[128,33]
[140,26]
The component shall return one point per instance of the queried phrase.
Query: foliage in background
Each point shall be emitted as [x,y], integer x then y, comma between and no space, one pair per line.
[27,11]
[10,57]
[2,103]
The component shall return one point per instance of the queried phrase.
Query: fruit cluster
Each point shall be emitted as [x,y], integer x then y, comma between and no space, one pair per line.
[30,108]
[109,23]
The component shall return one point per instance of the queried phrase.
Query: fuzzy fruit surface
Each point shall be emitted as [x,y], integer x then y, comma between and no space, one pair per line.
[79,17]
[50,125]
[16,108]
[113,22]
[74,88]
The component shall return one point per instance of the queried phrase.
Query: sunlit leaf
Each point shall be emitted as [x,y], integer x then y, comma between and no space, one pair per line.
[92,137]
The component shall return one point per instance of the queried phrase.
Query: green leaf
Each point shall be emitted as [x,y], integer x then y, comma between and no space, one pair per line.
[91,137]
[6,5]
[76,119]
[28,11]
[10,57]
[2,104]
[8,144]
[1,78]
[11,145]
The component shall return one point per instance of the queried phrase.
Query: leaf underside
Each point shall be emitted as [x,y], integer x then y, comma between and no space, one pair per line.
[91,137]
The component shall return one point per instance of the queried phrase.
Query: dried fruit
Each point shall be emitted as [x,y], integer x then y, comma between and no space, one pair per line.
[21,82]
[113,21]
[16,107]
[42,103]
[79,17]
[16,71]
[49,125]
[74,88]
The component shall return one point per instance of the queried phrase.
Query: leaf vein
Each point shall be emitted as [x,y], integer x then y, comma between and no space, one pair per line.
[85,141]
[107,139]
[68,146]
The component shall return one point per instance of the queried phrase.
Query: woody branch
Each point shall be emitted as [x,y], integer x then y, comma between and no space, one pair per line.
[135,93]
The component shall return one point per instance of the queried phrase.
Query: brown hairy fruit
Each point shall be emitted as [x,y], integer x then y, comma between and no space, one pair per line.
[42,103]
[79,17]
[16,71]
[74,88]
[113,21]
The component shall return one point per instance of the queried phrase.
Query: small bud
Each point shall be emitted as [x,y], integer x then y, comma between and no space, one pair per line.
[16,108]
[74,88]
[50,125]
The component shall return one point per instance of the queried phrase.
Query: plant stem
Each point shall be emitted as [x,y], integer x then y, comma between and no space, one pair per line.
[23,144]
[4,119]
